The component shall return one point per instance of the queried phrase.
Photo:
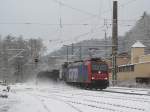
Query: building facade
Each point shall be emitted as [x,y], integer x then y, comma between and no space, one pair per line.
[138,70]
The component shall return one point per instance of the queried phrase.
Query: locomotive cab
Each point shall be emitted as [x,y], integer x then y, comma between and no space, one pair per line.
[99,73]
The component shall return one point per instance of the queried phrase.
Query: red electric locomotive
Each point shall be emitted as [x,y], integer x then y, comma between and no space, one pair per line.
[91,73]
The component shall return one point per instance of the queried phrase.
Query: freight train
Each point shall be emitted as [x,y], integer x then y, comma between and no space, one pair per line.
[90,73]
[52,75]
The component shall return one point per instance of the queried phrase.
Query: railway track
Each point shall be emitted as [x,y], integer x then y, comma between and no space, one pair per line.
[87,101]
[98,91]
[99,94]
[43,104]
[54,98]
[115,96]
[70,99]
[73,102]
[132,91]
[117,105]
[79,100]
[129,93]
[127,88]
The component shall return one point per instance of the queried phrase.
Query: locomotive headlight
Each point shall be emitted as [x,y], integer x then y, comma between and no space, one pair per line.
[93,77]
[99,72]
[105,78]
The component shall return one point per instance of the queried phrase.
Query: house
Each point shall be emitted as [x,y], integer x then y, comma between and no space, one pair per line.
[138,69]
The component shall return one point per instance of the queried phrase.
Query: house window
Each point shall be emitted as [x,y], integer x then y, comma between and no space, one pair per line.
[132,67]
[127,68]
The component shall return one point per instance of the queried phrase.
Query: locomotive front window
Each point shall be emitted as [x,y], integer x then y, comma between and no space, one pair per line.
[103,68]
[99,67]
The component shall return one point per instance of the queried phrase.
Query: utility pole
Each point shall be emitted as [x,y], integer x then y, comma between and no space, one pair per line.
[19,68]
[36,56]
[105,44]
[80,52]
[105,36]
[72,50]
[5,62]
[114,42]
[67,54]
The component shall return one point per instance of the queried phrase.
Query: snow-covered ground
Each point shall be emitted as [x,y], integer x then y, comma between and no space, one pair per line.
[139,91]
[62,98]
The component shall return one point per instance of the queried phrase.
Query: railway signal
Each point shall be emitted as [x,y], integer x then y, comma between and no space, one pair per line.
[36,60]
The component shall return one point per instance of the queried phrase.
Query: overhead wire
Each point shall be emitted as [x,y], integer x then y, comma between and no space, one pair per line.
[73,8]
[85,12]
[82,11]
[85,34]
[123,5]
[110,10]
[48,24]
[127,3]
[77,9]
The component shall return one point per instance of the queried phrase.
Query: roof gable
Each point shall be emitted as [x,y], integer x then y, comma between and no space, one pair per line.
[138,44]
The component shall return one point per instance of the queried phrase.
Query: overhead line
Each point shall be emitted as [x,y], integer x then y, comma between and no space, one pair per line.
[127,3]
[110,10]
[84,34]
[90,45]
[84,24]
[85,12]
[79,10]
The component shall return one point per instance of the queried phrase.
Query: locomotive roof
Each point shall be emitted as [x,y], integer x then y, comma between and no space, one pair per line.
[90,59]
[94,59]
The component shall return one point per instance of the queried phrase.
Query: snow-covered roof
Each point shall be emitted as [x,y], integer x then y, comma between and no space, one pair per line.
[138,44]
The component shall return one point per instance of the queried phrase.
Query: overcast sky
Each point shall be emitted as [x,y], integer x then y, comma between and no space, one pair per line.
[80,19]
